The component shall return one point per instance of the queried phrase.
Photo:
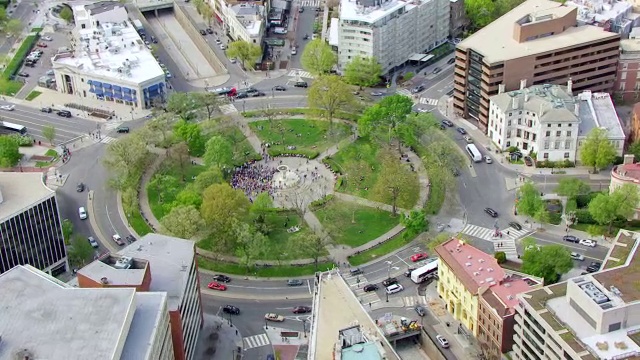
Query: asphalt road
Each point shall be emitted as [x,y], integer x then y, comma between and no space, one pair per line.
[267,288]
[23,11]
[303,26]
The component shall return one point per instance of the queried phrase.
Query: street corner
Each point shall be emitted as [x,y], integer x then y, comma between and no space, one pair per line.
[286,352]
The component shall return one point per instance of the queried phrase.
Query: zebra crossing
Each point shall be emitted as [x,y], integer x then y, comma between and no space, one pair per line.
[228,109]
[300,73]
[427,101]
[414,300]
[313,3]
[255,341]
[404,92]
[111,125]
[107,139]
[506,244]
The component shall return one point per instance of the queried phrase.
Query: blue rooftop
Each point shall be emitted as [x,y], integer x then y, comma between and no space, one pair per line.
[365,351]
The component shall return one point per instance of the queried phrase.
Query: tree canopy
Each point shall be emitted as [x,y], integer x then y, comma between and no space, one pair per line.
[622,202]
[126,159]
[191,134]
[246,53]
[9,152]
[596,150]
[221,207]
[318,58]
[396,184]
[530,202]
[183,221]
[547,262]
[572,187]
[219,153]
[363,71]
[386,117]
[329,94]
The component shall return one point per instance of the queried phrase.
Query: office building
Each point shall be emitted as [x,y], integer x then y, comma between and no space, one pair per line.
[549,121]
[480,294]
[43,318]
[157,263]
[588,317]
[108,60]
[386,30]
[539,41]
[30,224]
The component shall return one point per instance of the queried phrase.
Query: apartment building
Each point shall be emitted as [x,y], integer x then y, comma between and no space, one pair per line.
[44,318]
[627,86]
[157,263]
[108,61]
[614,16]
[30,224]
[589,317]
[480,294]
[386,30]
[549,121]
[539,41]
[245,20]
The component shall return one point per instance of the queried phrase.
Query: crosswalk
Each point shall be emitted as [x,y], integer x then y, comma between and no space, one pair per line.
[314,3]
[255,341]
[111,125]
[414,300]
[427,101]
[404,92]
[300,73]
[228,109]
[107,139]
[506,244]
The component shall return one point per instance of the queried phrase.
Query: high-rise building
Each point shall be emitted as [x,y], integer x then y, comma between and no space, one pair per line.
[539,41]
[30,226]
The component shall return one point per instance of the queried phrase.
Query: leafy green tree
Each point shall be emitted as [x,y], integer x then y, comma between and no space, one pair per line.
[183,104]
[221,207]
[634,149]
[208,100]
[626,198]
[310,245]
[219,153]
[572,187]
[500,256]
[363,71]
[166,186]
[622,202]
[80,252]
[262,203]
[438,240]
[9,152]
[49,133]
[188,196]
[67,231]
[396,184]
[388,115]
[66,14]
[180,159]
[13,27]
[479,12]
[547,262]
[208,178]
[161,124]
[415,223]
[329,94]
[318,58]
[596,150]
[250,244]
[183,221]
[192,135]
[530,202]
[246,53]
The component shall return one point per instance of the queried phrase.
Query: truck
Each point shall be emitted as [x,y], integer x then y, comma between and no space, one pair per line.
[138,25]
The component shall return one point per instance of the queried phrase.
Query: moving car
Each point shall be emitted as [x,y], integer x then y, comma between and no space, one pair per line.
[593,267]
[130,238]
[80,187]
[64,113]
[447,122]
[203,32]
[242,95]
[468,139]
[515,225]
[122,129]
[230,309]
[47,38]
[395,288]
[93,242]
[576,256]
[46,109]
[209,31]
[221,278]
[370,287]
[258,94]
[279,88]
[443,342]
[294,51]
[461,131]
[274,317]
[417,89]
[451,61]
[419,256]
[491,212]
[301,84]
[294,282]
[355,271]
[389,282]
[223,47]
[8,107]
[488,159]
[571,238]
[216,286]
[82,212]
[587,242]
[117,239]
[301,309]
[420,310]
[436,70]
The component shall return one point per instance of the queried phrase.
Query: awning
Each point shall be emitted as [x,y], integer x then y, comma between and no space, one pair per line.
[96,83]
[89,82]
[127,97]
[98,91]
[219,18]
[117,95]
[153,87]
[420,57]
[106,86]
[126,90]
[117,88]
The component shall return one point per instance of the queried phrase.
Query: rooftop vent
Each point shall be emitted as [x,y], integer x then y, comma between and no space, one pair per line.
[510,297]
[476,273]
[467,264]
[468,256]
[490,279]
[104,280]
[479,269]
[507,285]
[481,260]
[124,263]
[594,293]
[615,290]
[489,269]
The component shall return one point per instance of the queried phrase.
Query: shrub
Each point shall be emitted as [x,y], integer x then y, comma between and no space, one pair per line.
[583,200]
[321,202]
[23,140]
[16,62]
[501,257]
[572,205]
[408,76]
[584,217]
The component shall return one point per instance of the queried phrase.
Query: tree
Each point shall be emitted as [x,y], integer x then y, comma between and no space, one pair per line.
[208,178]
[191,134]
[363,71]
[49,133]
[13,27]
[66,14]
[329,94]
[626,199]
[188,196]
[311,245]
[250,244]
[596,150]
[602,209]
[388,115]
[622,202]
[246,53]
[501,257]
[547,262]
[395,184]
[479,12]
[634,149]
[79,251]
[9,152]
[415,223]
[221,206]
[208,100]
[183,104]
[166,186]
[530,202]
[218,153]
[318,58]
[67,231]
[180,159]
[572,187]
[262,203]
[161,124]
[438,240]
[126,159]
[183,221]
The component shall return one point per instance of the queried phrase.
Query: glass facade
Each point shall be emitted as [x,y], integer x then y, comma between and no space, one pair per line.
[474,80]
[124,95]
[33,237]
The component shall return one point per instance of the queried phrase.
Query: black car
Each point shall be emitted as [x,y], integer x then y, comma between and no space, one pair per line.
[451,61]
[46,110]
[80,187]
[258,94]
[154,40]
[250,90]
[209,31]
[491,212]
[279,88]
[242,95]
[23,74]
[301,84]
[571,238]
[356,271]
[437,70]
[461,131]
[370,287]
[230,309]
[301,309]
[389,282]
[515,225]
[593,267]
[122,130]
[408,272]
[420,310]
[221,278]
[202,32]
[447,122]
[131,239]
[64,113]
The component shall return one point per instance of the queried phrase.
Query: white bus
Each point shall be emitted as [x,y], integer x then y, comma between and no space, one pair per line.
[7,127]
[474,153]
[423,273]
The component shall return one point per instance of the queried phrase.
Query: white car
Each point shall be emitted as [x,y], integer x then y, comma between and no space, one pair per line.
[117,239]
[395,288]
[468,139]
[47,38]
[443,342]
[223,47]
[93,242]
[587,242]
[488,159]
[377,93]
[82,212]
[576,256]
[274,317]
[8,107]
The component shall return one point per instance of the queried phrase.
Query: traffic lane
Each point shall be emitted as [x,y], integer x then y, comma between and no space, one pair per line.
[266,287]
[264,103]
[395,265]
[594,253]
[35,119]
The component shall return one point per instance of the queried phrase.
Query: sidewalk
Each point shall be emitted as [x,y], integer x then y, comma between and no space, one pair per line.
[219,340]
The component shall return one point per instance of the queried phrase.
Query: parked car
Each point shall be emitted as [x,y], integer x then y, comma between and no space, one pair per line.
[420,310]
[294,282]
[82,213]
[46,109]
[209,31]
[258,94]
[122,129]
[230,309]
[388,282]
[576,256]
[515,225]
[301,309]
[203,32]
[447,122]
[218,41]
[587,242]
[419,256]
[370,287]
[409,271]
[442,341]
[42,44]
[221,278]
[242,95]
[47,38]
[117,239]
[274,317]
[131,239]
[279,88]
[571,238]
[23,74]
[355,271]
[64,113]
[528,161]
[594,267]
[301,84]
[93,242]
[468,139]
[80,187]
[461,131]
[395,288]
[488,159]
[223,47]
[491,212]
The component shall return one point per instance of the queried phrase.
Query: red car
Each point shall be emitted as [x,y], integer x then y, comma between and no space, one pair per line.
[216,286]
[419,256]
[41,44]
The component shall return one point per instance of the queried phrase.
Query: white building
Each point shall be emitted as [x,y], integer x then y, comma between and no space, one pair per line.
[615,16]
[392,31]
[108,60]
[245,21]
[550,121]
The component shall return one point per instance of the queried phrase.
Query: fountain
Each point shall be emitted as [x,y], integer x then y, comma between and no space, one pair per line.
[284,178]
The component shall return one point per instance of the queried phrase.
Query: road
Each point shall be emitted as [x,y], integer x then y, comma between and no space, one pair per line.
[268,288]
[23,11]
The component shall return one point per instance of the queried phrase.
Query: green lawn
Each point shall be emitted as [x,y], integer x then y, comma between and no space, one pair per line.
[352,224]
[378,251]
[284,271]
[310,137]
[32,95]
[359,166]
[136,221]
[159,209]
[9,87]
[242,149]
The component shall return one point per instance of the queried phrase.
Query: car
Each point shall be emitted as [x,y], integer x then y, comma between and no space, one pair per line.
[587,242]
[377,93]
[8,107]
[294,51]
[468,139]
[216,286]
[395,288]
[594,267]
[461,131]
[447,122]
[122,130]
[64,113]
[491,212]
[223,47]
[515,225]
[209,31]
[23,74]
[46,109]
[370,287]
[421,110]
[436,70]
[47,38]
[42,44]
[419,256]
[131,239]
[80,187]
[50,73]
[250,90]
[571,238]
[355,271]
[488,159]
[388,282]
[451,61]
[301,84]
[230,309]
[218,41]
[274,317]
[417,89]
[300,9]
[294,282]
[409,271]
[279,88]
[242,95]
[202,32]
[93,242]
[82,213]
[168,75]
[154,40]
[258,94]
[420,310]
[232,60]
[576,256]
[117,239]
[221,278]
[528,161]
[301,309]
[442,341]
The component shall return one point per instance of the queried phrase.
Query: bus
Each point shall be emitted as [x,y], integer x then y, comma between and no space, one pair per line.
[7,127]
[423,273]
[224,91]
[474,153]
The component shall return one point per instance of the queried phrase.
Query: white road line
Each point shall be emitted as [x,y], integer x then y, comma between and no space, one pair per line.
[309,286]
[255,341]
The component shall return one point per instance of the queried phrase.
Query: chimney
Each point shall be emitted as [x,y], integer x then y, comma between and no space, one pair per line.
[514,103]
[570,87]
[523,84]
[500,88]
[628,159]
[526,95]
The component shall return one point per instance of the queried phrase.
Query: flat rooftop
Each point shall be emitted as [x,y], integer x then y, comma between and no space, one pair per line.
[504,47]
[338,309]
[597,110]
[555,103]
[106,267]
[20,191]
[248,15]
[598,10]
[54,321]
[351,10]
[150,310]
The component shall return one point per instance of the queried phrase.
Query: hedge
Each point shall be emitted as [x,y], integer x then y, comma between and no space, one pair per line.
[301,111]
[309,154]
[16,62]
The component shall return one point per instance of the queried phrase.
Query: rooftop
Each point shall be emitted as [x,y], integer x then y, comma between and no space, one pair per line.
[118,270]
[370,11]
[150,310]
[39,313]
[102,6]
[20,191]
[597,110]
[599,11]
[503,45]
[250,16]
[553,101]
[630,49]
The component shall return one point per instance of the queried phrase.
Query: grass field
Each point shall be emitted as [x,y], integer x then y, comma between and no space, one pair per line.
[160,209]
[279,245]
[352,224]
[284,271]
[32,95]
[378,251]
[359,166]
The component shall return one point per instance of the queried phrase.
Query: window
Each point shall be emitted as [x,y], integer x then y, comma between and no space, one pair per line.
[508,144]
[518,134]
[559,125]
[546,145]
[548,125]
[520,113]
[558,133]
[509,122]
[519,121]
[568,133]
[548,133]
[82,26]
[545,155]
[557,145]
[566,155]
[569,125]
[567,144]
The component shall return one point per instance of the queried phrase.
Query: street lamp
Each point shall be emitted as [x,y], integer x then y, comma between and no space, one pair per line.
[304,327]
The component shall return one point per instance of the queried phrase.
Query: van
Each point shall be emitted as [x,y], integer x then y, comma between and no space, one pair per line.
[82,212]
[64,113]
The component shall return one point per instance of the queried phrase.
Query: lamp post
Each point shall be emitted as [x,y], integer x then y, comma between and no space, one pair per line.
[304,327]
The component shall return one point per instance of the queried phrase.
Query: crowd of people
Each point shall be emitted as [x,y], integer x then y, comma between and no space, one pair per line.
[253,179]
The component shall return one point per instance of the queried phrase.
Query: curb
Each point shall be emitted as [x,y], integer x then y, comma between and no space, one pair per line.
[123,216]
[92,221]
[255,278]
[227,295]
